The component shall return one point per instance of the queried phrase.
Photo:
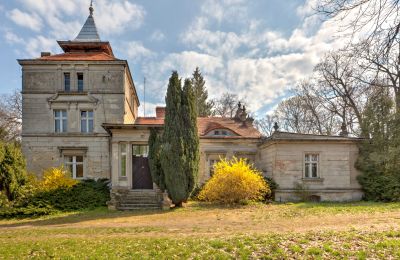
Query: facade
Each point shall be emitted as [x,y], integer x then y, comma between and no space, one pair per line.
[80,109]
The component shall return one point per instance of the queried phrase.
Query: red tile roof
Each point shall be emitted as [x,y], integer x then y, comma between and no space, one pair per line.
[149,121]
[76,56]
[207,124]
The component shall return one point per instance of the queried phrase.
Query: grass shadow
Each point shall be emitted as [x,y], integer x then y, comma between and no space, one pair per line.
[64,218]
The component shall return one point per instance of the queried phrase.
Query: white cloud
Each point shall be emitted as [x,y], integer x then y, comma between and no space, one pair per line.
[38,44]
[157,36]
[136,51]
[260,64]
[31,21]
[115,17]
[150,108]
[12,38]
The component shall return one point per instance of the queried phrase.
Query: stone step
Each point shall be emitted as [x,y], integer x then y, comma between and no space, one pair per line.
[139,208]
[139,202]
[140,205]
[140,196]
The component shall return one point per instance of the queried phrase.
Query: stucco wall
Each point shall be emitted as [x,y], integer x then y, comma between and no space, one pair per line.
[43,92]
[45,152]
[284,161]
[214,147]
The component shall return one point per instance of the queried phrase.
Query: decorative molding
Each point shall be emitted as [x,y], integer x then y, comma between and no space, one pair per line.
[72,98]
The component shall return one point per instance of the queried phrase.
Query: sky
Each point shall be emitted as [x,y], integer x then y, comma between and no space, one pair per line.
[256,49]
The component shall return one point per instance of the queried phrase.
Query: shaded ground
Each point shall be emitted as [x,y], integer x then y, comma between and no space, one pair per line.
[329,230]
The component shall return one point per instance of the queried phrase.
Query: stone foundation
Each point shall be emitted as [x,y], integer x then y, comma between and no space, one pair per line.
[320,195]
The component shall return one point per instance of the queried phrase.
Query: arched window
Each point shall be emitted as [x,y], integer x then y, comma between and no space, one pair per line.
[220,132]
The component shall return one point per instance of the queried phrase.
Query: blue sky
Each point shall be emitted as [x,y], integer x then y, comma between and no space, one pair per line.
[256,49]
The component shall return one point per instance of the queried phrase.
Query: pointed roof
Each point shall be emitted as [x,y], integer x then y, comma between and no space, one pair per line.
[89,30]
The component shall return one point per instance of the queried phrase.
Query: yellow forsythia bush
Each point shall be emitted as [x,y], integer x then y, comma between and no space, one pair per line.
[55,178]
[234,181]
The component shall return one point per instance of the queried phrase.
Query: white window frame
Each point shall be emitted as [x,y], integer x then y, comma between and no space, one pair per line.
[123,153]
[74,163]
[87,120]
[310,163]
[61,118]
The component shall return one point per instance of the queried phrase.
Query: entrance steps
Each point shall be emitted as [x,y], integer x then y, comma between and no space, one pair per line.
[126,199]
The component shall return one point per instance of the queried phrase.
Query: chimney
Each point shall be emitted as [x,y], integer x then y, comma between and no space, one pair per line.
[45,53]
[160,112]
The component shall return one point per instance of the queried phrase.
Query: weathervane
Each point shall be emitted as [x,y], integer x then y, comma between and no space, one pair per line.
[91,7]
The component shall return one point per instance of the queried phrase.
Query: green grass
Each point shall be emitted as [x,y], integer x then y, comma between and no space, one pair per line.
[71,245]
[202,231]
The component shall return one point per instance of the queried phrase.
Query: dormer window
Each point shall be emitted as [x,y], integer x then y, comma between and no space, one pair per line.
[221,132]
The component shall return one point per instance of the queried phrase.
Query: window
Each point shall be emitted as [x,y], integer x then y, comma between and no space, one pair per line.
[140,150]
[211,163]
[311,165]
[60,121]
[67,82]
[80,82]
[86,121]
[122,171]
[75,165]
[221,132]
[212,160]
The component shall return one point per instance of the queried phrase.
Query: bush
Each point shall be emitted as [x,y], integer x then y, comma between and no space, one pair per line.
[25,212]
[380,186]
[234,181]
[12,170]
[57,192]
[86,194]
[272,186]
[56,178]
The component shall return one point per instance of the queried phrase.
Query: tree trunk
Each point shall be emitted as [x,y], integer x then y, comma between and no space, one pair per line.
[179,204]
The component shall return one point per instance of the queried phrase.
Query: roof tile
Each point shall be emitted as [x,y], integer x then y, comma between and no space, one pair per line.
[207,124]
[76,56]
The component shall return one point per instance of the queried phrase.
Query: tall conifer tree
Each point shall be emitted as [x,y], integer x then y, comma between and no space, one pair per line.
[176,153]
[190,135]
[200,92]
[156,170]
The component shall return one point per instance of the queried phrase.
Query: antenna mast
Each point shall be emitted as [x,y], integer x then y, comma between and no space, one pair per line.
[144,96]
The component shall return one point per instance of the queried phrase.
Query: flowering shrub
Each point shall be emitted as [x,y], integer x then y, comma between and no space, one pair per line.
[56,178]
[234,181]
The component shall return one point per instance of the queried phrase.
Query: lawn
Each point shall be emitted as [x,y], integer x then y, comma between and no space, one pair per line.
[311,230]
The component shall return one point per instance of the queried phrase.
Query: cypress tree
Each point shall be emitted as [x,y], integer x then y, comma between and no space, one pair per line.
[190,135]
[12,170]
[173,151]
[203,107]
[154,158]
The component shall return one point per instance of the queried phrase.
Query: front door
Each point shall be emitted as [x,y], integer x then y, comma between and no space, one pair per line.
[141,177]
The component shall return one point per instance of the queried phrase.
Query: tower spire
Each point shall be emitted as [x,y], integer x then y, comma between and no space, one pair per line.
[89,30]
[91,8]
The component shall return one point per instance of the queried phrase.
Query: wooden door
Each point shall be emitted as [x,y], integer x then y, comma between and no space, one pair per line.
[141,177]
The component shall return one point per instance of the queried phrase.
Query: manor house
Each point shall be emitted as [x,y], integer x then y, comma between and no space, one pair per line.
[80,110]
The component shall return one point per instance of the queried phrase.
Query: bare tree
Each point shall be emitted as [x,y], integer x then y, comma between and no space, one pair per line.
[379,20]
[322,119]
[339,87]
[11,116]
[226,105]
[380,70]
[266,124]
